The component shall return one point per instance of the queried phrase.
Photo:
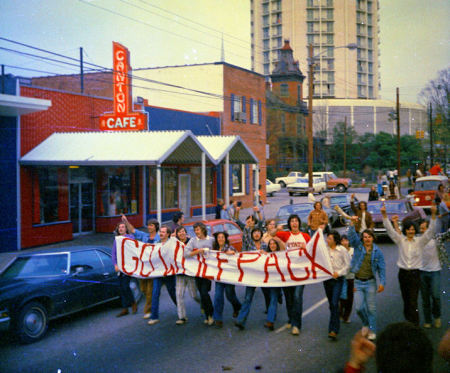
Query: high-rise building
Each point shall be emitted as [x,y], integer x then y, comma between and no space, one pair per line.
[329,25]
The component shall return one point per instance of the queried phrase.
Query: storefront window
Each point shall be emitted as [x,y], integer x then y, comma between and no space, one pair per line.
[196,186]
[237,174]
[169,188]
[118,190]
[47,193]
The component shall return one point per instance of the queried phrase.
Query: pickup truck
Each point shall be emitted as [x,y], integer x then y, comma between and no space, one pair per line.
[333,182]
[289,179]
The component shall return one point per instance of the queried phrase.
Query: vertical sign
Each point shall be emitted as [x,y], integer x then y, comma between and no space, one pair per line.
[123,118]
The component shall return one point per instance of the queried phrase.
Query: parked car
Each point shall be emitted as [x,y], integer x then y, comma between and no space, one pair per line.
[333,182]
[303,210]
[425,190]
[290,178]
[220,225]
[40,286]
[343,201]
[301,186]
[271,188]
[400,207]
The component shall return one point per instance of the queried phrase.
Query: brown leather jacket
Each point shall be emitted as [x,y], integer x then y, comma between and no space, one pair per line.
[369,222]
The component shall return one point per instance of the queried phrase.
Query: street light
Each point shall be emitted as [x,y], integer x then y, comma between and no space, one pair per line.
[311,58]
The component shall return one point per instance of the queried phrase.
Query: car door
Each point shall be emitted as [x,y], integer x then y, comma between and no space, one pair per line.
[110,280]
[86,274]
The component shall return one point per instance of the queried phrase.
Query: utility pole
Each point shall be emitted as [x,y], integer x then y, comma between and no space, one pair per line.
[309,122]
[81,71]
[345,147]
[398,140]
[431,137]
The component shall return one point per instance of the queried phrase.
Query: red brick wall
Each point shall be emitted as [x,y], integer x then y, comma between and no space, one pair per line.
[245,83]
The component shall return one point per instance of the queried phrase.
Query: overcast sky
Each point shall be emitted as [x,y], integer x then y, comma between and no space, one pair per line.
[414,35]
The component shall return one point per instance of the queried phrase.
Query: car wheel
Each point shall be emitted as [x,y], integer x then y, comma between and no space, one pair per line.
[341,188]
[291,194]
[135,290]
[32,322]
[271,194]
[282,184]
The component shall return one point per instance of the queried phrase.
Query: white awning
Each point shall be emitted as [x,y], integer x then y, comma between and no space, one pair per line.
[12,105]
[117,148]
[219,146]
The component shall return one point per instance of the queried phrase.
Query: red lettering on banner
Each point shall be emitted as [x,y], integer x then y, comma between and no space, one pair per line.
[219,265]
[242,260]
[144,246]
[122,251]
[274,264]
[177,248]
[312,258]
[205,268]
[294,278]
[169,270]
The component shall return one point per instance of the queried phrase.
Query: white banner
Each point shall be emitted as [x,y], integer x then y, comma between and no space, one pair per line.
[249,268]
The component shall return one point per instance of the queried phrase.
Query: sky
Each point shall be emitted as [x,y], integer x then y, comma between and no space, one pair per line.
[414,36]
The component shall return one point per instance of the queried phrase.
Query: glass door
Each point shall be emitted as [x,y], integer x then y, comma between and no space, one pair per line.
[184,195]
[82,207]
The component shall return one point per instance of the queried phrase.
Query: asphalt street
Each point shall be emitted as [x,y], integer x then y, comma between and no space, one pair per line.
[97,341]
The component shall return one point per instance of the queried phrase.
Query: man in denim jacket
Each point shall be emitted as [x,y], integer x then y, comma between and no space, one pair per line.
[368,259]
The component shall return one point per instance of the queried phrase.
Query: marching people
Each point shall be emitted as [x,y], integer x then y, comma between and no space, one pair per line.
[346,301]
[365,220]
[201,244]
[126,296]
[177,221]
[294,240]
[183,282]
[158,282]
[222,244]
[316,218]
[146,285]
[393,192]
[219,208]
[275,292]
[410,251]
[367,262]
[256,244]
[340,263]
[442,215]
[373,194]
[247,241]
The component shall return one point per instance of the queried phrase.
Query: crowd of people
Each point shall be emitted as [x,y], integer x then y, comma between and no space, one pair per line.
[358,269]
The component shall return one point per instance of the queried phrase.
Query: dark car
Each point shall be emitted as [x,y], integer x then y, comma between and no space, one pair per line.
[303,210]
[343,201]
[220,225]
[400,207]
[44,285]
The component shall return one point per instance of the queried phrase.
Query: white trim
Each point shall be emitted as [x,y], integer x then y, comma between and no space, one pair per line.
[13,105]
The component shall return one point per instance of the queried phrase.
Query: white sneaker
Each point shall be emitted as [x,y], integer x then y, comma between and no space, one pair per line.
[147,316]
[372,336]
[181,321]
[205,321]
[210,320]
[288,325]
[153,321]
[295,330]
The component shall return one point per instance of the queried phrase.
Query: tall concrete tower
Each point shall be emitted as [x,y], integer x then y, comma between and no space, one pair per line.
[329,25]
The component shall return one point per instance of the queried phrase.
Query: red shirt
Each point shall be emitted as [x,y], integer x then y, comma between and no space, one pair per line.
[435,170]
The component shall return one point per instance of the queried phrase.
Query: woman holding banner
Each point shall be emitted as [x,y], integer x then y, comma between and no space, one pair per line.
[222,244]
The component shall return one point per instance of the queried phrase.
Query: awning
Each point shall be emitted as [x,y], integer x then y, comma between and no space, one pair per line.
[12,105]
[117,148]
[219,146]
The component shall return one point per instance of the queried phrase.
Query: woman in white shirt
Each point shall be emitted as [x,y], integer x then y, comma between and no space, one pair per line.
[340,263]
[410,251]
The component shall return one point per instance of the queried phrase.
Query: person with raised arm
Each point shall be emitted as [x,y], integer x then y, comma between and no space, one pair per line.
[410,252]
[367,262]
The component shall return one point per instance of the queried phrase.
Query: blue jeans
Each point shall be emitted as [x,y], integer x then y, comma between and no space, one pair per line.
[431,294]
[273,304]
[297,306]
[365,302]
[229,291]
[157,285]
[245,309]
[333,288]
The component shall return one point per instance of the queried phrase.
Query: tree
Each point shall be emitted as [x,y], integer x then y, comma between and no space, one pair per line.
[436,93]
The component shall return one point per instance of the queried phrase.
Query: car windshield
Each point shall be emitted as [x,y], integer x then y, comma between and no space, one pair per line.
[398,207]
[338,200]
[294,209]
[427,185]
[332,176]
[302,180]
[190,230]
[38,266]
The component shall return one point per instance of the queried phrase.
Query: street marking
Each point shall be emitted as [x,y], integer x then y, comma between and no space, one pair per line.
[307,312]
